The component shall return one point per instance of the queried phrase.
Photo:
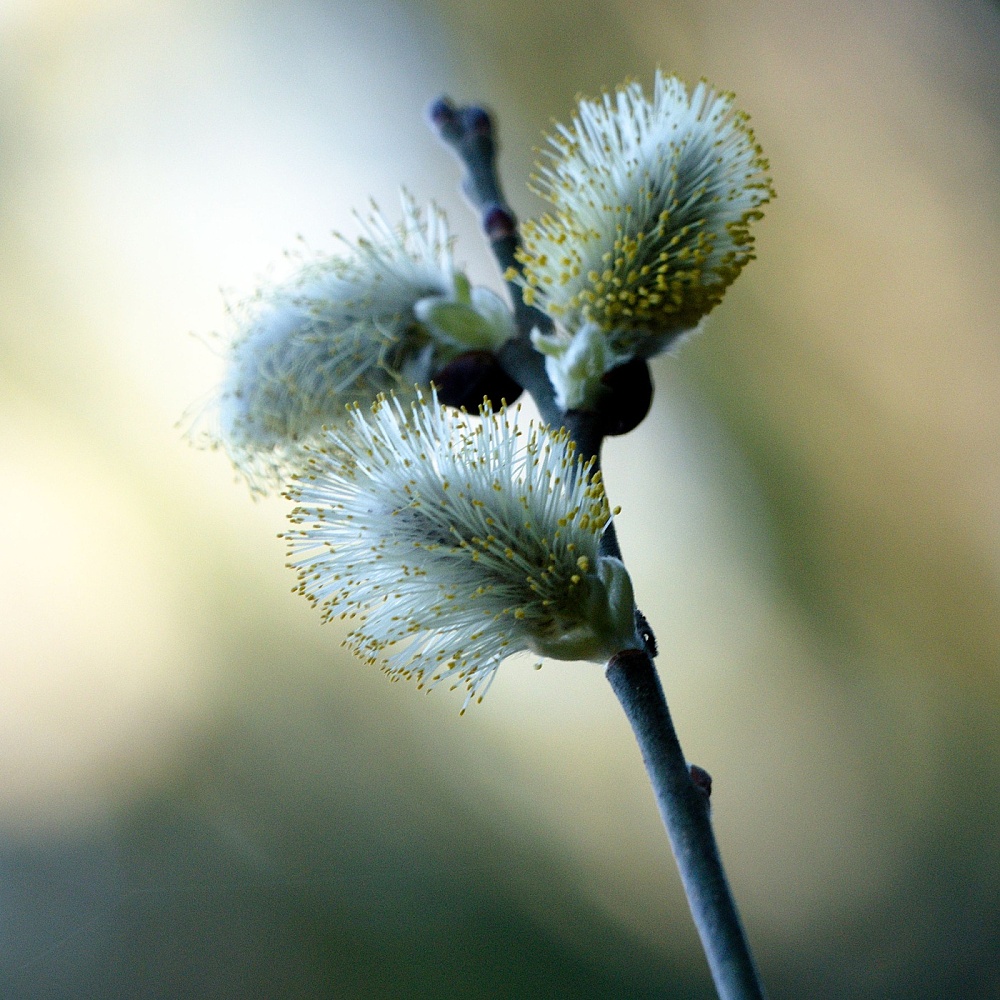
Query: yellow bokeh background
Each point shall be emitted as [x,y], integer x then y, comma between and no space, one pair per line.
[201,794]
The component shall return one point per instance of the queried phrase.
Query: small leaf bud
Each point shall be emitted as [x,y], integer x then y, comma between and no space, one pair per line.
[628,396]
[701,780]
[498,223]
[465,380]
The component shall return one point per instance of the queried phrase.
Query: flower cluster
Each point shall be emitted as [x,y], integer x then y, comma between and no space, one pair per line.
[455,542]
[383,317]
[652,203]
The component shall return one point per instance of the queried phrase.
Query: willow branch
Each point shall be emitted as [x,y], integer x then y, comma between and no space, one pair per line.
[682,801]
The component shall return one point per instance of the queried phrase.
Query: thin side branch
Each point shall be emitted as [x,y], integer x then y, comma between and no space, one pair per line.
[468,132]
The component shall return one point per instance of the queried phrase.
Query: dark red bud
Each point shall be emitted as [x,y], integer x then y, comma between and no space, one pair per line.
[499,223]
[465,380]
[628,397]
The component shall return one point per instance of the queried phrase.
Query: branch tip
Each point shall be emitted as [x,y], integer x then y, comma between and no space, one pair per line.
[477,120]
[441,111]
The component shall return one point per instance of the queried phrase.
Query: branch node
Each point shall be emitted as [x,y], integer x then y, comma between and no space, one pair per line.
[625,658]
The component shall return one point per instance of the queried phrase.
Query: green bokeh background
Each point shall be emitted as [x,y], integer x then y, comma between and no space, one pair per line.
[202,795]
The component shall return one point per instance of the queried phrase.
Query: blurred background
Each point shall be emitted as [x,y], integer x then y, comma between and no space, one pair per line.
[202,795]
